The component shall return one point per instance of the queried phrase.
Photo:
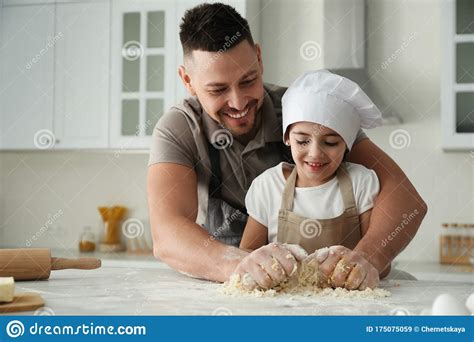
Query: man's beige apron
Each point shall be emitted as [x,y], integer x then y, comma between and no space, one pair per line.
[312,234]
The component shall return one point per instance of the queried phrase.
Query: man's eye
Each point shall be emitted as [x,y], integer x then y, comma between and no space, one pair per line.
[331,143]
[302,142]
[249,81]
[216,91]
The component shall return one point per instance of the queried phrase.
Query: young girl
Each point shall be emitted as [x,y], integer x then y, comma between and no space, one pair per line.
[320,201]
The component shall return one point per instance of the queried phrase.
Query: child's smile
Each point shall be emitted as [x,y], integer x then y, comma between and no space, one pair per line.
[317,151]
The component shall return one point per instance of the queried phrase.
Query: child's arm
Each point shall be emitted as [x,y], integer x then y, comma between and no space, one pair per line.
[255,235]
[364,220]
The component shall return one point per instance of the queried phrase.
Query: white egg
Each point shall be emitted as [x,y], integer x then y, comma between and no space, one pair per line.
[470,303]
[448,305]
[400,312]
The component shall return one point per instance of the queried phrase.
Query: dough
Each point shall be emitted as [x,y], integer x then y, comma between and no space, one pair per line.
[307,281]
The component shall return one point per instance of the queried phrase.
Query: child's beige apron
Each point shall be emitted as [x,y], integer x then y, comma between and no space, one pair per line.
[312,234]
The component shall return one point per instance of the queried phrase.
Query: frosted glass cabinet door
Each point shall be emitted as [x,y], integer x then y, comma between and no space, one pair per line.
[465,66]
[130,117]
[156,29]
[465,62]
[457,75]
[154,110]
[26,76]
[155,67]
[132,52]
[464,16]
[465,112]
[143,70]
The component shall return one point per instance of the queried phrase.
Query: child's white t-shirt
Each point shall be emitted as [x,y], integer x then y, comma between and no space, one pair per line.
[263,199]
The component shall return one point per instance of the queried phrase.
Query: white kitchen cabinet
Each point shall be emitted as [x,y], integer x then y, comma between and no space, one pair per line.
[55,76]
[457,76]
[143,70]
[41,2]
[306,35]
[82,75]
[26,74]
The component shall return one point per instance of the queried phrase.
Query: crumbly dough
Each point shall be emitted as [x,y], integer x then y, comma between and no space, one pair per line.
[306,282]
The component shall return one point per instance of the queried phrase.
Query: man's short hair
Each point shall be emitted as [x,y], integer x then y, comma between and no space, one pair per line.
[213,27]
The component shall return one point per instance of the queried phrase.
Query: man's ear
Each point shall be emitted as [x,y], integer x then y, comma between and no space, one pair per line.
[259,56]
[186,78]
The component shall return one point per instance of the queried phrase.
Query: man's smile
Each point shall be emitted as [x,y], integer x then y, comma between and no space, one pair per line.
[238,118]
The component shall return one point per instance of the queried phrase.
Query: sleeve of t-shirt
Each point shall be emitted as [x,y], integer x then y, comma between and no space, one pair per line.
[172,141]
[367,189]
[360,136]
[255,202]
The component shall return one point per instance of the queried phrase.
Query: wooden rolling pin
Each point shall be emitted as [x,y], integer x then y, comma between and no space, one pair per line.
[37,263]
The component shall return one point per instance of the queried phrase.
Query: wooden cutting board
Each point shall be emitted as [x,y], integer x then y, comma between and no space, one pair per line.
[26,301]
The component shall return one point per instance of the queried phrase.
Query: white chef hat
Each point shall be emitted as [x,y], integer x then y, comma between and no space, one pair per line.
[329,100]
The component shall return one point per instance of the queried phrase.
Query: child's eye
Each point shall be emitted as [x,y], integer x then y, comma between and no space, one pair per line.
[302,142]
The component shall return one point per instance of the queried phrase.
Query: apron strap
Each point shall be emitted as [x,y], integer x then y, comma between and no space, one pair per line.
[347,192]
[289,191]
[215,183]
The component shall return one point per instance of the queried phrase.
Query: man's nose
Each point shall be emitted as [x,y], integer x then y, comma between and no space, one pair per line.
[237,100]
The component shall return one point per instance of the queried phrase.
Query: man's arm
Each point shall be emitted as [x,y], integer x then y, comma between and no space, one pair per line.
[177,239]
[397,197]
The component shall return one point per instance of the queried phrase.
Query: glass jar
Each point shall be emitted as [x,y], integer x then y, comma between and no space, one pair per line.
[87,240]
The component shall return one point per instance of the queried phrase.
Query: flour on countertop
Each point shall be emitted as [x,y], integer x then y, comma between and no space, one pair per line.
[304,283]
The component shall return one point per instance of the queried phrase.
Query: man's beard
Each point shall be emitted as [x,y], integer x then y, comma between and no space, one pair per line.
[251,107]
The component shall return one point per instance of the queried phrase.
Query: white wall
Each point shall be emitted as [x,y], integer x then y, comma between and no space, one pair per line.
[66,188]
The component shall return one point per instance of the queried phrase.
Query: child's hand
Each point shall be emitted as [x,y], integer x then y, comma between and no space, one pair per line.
[269,265]
[343,267]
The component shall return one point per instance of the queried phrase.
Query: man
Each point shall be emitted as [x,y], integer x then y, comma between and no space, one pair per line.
[207,150]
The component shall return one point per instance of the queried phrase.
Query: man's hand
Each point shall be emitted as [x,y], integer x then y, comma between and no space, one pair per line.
[342,267]
[269,265]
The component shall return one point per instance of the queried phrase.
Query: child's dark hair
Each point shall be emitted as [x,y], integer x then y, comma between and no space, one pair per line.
[213,27]
[346,152]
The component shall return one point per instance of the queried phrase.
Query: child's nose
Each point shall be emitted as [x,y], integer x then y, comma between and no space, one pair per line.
[315,149]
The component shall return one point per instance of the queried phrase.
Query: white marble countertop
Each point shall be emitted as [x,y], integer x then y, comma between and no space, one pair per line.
[159,290]
[422,270]
[434,271]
